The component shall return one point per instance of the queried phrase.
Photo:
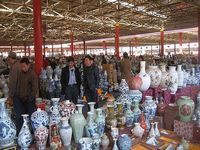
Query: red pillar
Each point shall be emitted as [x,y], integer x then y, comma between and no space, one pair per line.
[25,50]
[199,37]
[104,47]
[61,49]
[37,36]
[162,42]
[84,47]
[117,40]
[72,43]
[180,40]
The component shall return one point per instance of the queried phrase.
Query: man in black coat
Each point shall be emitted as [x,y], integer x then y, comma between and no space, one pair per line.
[71,81]
[91,79]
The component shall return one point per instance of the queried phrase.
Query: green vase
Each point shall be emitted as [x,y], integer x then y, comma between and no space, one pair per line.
[78,122]
[186,108]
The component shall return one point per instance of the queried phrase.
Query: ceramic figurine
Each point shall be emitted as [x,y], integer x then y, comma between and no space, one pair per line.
[78,128]
[164,78]
[41,135]
[105,142]
[7,126]
[129,115]
[146,81]
[67,108]
[143,122]
[173,79]
[180,76]
[100,121]
[186,108]
[55,141]
[138,131]
[39,117]
[91,126]
[155,74]
[65,132]
[124,142]
[24,138]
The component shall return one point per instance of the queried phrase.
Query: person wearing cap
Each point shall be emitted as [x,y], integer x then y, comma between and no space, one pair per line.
[90,79]
[71,81]
[14,72]
[125,67]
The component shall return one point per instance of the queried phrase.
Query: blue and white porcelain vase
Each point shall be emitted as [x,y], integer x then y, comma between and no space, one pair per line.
[123,86]
[180,76]
[25,137]
[185,78]
[164,77]
[85,143]
[155,74]
[173,79]
[123,98]
[7,126]
[135,96]
[124,142]
[136,112]
[147,121]
[150,106]
[55,111]
[96,141]
[38,118]
[78,122]
[100,121]
[65,131]
[92,110]
[129,115]
[91,126]
[146,80]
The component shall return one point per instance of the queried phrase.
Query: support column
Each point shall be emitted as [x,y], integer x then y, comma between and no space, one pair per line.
[61,49]
[162,42]
[84,47]
[174,48]
[44,48]
[104,47]
[52,50]
[180,40]
[199,37]
[117,40]
[72,43]
[37,36]
[25,50]
[29,51]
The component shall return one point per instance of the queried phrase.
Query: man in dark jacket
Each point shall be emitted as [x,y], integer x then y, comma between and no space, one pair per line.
[91,79]
[26,92]
[71,81]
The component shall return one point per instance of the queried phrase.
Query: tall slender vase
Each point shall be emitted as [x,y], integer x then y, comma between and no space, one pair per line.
[146,80]
[152,131]
[173,79]
[7,126]
[91,126]
[92,110]
[55,111]
[24,138]
[100,121]
[180,76]
[157,132]
[65,132]
[129,115]
[78,122]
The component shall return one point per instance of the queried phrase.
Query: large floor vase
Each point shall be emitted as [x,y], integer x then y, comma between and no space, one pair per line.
[7,126]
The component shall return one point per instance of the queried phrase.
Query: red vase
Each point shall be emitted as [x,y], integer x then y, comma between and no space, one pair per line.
[135,83]
[142,122]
